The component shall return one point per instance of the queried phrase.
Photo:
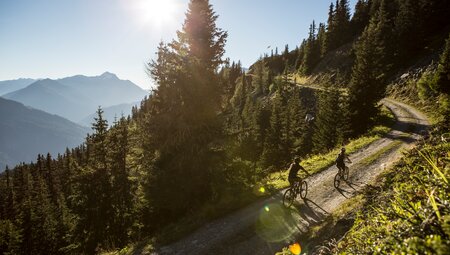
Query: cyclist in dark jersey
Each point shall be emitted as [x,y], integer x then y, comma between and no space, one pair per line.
[293,170]
[340,160]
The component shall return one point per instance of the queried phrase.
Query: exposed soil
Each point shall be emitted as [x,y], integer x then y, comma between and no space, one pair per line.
[266,226]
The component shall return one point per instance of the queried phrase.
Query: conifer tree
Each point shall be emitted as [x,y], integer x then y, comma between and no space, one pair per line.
[329,42]
[328,121]
[368,82]
[338,25]
[443,83]
[408,29]
[361,17]
[182,121]
[443,70]
[311,51]
[273,153]
[321,35]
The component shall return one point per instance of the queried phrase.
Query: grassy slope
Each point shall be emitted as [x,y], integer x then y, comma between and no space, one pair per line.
[411,214]
[408,212]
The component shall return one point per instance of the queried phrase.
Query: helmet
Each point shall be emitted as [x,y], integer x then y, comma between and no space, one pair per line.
[342,149]
[297,159]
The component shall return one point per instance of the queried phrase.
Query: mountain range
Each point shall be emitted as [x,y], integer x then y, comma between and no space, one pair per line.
[77,97]
[25,132]
[13,85]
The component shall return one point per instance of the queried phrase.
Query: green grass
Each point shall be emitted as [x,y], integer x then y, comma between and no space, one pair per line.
[406,213]
[372,158]
[319,162]
[411,215]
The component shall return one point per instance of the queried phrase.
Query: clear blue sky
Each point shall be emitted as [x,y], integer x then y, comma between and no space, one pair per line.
[59,38]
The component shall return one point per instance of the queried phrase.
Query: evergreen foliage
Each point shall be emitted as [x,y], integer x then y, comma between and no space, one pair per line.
[330,121]
[369,72]
[178,130]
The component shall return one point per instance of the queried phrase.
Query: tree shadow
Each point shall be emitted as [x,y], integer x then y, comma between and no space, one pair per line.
[410,127]
[311,212]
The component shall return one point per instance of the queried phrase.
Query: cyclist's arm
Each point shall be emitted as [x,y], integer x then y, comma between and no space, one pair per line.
[348,159]
[304,170]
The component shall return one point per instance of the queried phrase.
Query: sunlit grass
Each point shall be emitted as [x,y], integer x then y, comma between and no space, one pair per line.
[411,206]
[404,212]
[372,158]
[320,162]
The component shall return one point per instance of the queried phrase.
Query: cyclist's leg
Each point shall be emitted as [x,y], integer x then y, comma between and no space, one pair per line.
[340,168]
[295,182]
[291,182]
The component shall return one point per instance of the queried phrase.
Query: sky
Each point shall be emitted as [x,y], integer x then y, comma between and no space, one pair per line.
[60,38]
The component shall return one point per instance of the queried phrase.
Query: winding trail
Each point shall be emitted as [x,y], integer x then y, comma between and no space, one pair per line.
[266,226]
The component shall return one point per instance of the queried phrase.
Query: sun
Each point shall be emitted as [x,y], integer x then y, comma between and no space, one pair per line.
[156,13]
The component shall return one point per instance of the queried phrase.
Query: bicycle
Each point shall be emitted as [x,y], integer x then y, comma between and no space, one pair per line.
[299,188]
[341,175]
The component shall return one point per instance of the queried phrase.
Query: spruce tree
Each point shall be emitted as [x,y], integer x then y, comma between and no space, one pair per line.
[182,122]
[408,30]
[329,42]
[361,17]
[443,70]
[367,85]
[328,121]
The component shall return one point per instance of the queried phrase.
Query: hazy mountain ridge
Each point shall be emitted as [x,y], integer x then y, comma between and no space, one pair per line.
[13,85]
[53,97]
[78,96]
[25,132]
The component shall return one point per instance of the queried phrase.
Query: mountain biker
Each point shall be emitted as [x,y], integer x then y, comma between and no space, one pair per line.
[293,170]
[340,160]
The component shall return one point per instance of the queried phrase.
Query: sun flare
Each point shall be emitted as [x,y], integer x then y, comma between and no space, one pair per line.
[155,12]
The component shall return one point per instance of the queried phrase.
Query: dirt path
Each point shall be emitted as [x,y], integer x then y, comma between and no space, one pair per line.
[266,226]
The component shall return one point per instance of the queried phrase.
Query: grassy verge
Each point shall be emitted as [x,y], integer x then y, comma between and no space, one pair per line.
[372,158]
[411,215]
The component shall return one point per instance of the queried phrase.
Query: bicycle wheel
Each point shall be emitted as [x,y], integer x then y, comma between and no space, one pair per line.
[289,197]
[337,180]
[303,189]
[345,174]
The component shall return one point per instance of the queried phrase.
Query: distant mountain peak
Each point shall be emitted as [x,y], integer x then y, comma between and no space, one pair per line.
[108,75]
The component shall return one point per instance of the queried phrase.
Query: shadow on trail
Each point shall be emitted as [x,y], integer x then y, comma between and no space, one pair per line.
[343,191]
[351,184]
[410,127]
[401,137]
[311,212]
[311,204]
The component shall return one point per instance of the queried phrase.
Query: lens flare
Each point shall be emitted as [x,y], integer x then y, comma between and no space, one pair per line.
[275,223]
[296,249]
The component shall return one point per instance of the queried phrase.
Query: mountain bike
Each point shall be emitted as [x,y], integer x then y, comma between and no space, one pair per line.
[341,175]
[299,188]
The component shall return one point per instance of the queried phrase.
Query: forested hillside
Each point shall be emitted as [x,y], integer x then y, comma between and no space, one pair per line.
[25,132]
[209,134]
